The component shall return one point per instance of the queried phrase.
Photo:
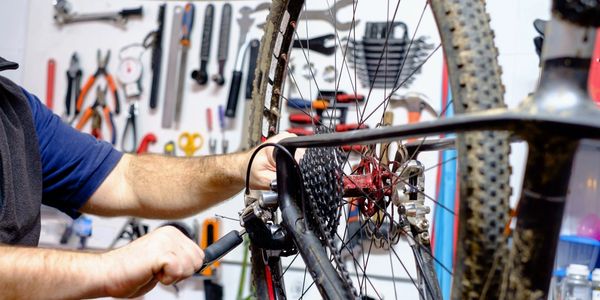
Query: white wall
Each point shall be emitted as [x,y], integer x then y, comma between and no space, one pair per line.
[23,23]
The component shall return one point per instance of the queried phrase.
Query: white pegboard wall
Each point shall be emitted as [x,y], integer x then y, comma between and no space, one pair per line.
[46,40]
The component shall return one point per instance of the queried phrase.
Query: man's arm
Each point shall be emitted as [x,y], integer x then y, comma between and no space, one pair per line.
[154,186]
[34,273]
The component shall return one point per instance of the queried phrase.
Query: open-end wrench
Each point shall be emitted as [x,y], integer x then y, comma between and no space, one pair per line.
[328,15]
[245,22]
[201,76]
[64,15]
[324,44]
[223,43]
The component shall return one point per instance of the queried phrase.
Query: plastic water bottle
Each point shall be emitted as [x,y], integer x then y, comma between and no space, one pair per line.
[596,284]
[576,285]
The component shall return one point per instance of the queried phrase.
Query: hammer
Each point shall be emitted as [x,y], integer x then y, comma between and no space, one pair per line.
[414,103]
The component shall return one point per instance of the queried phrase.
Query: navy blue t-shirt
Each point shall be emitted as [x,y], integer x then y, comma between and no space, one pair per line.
[74,164]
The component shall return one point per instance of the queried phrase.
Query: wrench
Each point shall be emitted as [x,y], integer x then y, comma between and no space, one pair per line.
[64,15]
[245,22]
[321,15]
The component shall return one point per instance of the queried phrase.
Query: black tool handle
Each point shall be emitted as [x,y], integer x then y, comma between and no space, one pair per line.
[157,57]
[220,248]
[254,44]
[131,12]
[69,97]
[234,93]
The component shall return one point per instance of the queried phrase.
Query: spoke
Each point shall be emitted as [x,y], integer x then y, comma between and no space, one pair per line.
[304,282]
[404,60]
[289,265]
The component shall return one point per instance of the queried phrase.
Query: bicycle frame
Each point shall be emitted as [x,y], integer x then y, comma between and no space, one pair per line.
[552,122]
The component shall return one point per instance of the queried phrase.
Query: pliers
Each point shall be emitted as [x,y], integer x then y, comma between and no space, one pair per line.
[102,63]
[73,85]
[92,111]
[130,126]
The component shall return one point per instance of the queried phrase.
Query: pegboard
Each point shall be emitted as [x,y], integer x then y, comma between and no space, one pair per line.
[46,40]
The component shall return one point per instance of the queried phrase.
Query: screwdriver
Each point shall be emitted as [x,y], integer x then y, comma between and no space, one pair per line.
[221,247]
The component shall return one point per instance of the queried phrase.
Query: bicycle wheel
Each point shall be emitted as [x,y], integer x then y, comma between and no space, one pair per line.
[474,76]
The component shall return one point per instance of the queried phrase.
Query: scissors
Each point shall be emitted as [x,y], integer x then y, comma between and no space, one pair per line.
[190,143]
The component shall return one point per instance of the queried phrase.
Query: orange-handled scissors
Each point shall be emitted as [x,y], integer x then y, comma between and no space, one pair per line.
[190,143]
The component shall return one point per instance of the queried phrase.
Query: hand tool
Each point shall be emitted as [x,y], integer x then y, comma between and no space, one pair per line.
[316,104]
[130,70]
[236,80]
[309,71]
[187,24]
[210,234]
[415,103]
[329,74]
[350,127]
[223,49]
[102,63]
[51,72]
[131,230]
[244,143]
[224,142]
[169,148]
[354,148]
[148,139]
[130,126]
[318,44]
[201,76]
[244,22]
[221,247]
[326,15]
[254,47]
[171,81]
[92,111]
[190,143]
[157,49]
[300,131]
[64,15]
[300,118]
[73,85]
[212,142]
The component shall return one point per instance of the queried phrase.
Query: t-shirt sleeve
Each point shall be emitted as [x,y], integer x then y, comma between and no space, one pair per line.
[74,164]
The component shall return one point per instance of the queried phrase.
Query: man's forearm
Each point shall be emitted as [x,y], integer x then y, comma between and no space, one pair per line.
[33,273]
[169,187]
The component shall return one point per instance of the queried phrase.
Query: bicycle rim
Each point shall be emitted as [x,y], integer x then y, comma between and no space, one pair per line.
[474,77]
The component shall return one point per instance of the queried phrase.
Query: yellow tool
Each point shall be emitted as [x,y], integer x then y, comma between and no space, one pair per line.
[190,143]
[209,235]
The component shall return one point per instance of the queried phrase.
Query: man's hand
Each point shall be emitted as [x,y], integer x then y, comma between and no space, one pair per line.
[263,167]
[165,255]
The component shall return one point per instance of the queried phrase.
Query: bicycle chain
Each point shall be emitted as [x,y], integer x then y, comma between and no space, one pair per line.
[322,174]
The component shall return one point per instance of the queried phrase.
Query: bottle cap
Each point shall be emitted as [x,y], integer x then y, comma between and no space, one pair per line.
[596,275]
[575,269]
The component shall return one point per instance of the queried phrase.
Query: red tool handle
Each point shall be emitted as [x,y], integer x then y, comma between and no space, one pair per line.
[300,131]
[348,127]
[304,119]
[146,141]
[209,119]
[355,148]
[50,83]
[346,98]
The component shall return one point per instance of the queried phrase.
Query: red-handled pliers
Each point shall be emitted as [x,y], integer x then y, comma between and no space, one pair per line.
[92,111]
[102,63]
